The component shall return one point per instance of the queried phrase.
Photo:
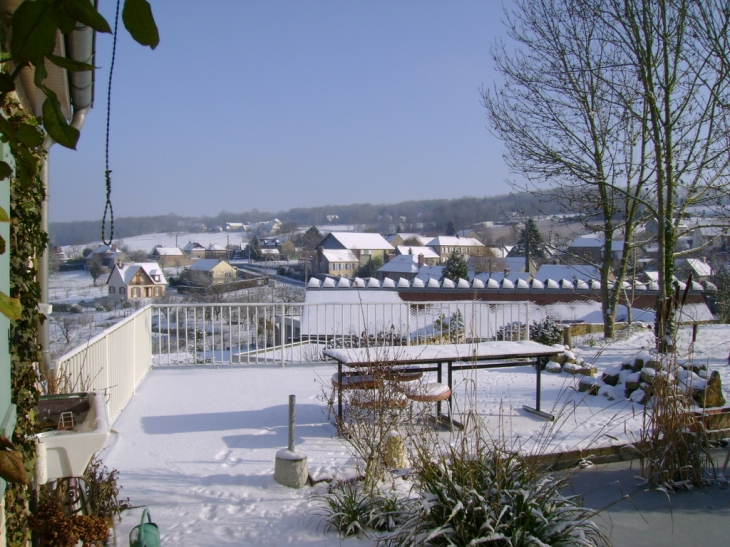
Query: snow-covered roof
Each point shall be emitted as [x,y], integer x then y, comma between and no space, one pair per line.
[362,240]
[453,241]
[192,245]
[216,247]
[339,255]
[561,271]
[713,231]
[401,264]
[204,264]
[167,251]
[595,241]
[702,268]
[427,272]
[128,271]
[404,236]
[427,252]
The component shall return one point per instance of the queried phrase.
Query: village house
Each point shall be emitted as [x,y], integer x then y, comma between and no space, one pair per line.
[194,250]
[217,271]
[108,254]
[134,281]
[430,256]
[467,246]
[713,237]
[168,256]
[400,238]
[591,248]
[362,247]
[337,262]
[699,268]
[217,251]
[404,266]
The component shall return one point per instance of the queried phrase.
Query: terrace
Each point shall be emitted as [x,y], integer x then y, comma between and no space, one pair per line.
[197,396]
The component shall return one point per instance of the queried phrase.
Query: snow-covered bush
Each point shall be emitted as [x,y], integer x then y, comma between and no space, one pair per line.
[485,494]
[546,332]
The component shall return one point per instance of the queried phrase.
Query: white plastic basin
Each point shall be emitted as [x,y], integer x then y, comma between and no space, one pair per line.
[67,453]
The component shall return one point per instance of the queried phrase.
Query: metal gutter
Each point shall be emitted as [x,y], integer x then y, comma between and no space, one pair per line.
[80,45]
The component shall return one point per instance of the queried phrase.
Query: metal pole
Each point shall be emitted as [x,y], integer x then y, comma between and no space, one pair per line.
[292,420]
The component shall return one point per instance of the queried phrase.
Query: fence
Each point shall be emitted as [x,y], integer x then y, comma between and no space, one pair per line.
[115,361]
[297,333]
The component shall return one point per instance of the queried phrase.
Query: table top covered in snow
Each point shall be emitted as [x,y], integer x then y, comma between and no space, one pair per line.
[434,353]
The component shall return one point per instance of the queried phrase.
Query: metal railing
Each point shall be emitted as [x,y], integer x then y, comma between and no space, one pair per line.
[115,361]
[282,333]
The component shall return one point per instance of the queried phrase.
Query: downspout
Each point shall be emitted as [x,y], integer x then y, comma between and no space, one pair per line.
[80,46]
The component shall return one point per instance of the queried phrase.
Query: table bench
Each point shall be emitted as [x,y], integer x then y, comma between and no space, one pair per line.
[430,358]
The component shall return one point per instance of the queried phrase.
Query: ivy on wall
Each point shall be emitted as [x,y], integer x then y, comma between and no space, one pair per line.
[27,242]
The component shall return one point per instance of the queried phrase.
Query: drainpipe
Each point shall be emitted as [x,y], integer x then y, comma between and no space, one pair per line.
[80,45]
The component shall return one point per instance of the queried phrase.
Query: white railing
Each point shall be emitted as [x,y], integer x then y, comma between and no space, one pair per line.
[282,333]
[116,361]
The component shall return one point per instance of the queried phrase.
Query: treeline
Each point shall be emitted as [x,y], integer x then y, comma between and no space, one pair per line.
[417,215]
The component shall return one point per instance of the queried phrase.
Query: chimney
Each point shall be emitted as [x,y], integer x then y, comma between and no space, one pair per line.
[114,247]
[420,260]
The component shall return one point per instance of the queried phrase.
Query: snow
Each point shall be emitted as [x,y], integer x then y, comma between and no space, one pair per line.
[198,445]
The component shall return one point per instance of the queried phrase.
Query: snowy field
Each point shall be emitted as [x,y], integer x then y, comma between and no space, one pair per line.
[197,445]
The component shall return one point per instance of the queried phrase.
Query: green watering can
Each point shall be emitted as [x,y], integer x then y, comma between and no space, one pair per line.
[145,534]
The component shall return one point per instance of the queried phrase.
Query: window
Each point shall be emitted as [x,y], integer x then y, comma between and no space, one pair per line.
[122,290]
[157,291]
[111,290]
[135,292]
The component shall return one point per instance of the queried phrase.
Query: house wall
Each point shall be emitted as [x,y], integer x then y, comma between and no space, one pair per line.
[7,409]
[223,273]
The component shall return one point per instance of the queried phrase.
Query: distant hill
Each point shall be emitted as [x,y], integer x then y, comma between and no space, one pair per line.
[418,215]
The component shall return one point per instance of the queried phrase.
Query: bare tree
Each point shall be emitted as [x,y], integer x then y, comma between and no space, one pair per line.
[620,107]
[678,52]
[562,126]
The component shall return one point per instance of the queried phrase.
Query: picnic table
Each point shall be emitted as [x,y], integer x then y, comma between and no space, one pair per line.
[431,357]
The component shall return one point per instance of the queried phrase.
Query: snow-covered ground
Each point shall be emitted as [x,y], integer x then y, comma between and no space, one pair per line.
[197,445]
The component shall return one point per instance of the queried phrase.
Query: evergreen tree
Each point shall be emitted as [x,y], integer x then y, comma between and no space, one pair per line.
[450,229]
[254,250]
[370,268]
[530,244]
[455,267]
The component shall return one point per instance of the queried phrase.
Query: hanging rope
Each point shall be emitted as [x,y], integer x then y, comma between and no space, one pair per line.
[107,172]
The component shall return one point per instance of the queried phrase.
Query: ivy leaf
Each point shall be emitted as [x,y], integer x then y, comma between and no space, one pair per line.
[6,129]
[69,64]
[84,12]
[4,214]
[6,83]
[5,172]
[34,31]
[2,245]
[66,23]
[10,307]
[55,123]
[40,72]
[138,20]
[29,135]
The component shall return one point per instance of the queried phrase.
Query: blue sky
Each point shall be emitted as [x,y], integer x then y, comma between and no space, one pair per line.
[280,104]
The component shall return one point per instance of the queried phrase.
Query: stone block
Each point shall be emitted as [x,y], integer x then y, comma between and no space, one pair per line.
[290,469]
